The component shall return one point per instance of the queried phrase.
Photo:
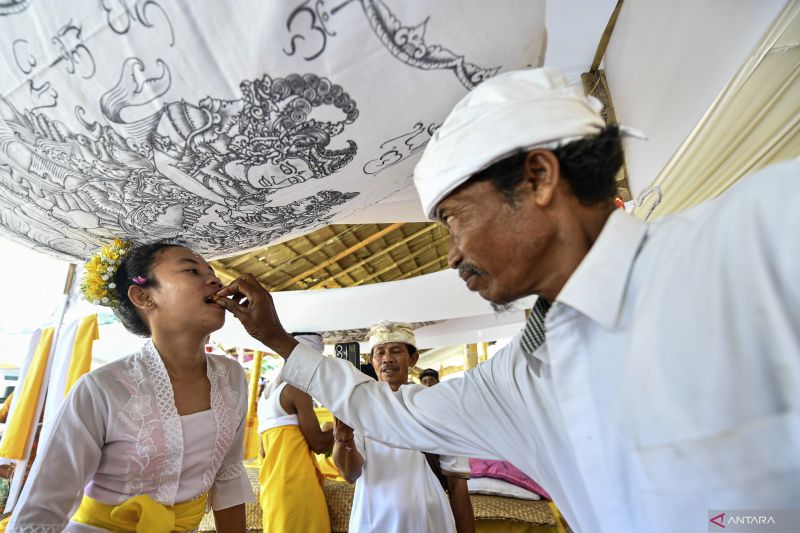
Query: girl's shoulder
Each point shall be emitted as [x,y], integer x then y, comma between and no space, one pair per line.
[226,366]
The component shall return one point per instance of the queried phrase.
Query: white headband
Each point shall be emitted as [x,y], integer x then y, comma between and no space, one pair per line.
[385,332]
[516,110]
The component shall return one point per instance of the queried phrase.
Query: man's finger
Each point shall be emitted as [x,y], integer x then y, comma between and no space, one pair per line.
[229,290]
[244,287]
[233,306]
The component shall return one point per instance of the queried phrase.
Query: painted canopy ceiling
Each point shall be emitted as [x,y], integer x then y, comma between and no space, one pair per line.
[224,125]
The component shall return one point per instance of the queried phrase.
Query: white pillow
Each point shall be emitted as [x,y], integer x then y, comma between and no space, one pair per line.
[498,487]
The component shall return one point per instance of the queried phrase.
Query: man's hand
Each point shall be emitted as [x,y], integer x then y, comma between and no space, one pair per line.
[253,306]
[345,455]
[342,432]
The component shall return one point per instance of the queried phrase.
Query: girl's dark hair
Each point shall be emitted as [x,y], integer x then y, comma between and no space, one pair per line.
[589,165]
[138,262]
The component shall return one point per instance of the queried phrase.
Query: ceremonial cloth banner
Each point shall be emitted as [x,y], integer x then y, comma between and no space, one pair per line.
[229,125]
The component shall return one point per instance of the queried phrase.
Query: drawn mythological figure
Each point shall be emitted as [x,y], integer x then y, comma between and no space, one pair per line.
[204,171]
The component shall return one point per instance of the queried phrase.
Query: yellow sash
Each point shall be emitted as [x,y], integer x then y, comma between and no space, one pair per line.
[142,514]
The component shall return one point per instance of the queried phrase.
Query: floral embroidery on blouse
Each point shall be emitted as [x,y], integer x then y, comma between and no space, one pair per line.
[153,424]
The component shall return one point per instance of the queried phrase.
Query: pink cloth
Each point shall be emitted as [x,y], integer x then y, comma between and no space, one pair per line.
[507,472]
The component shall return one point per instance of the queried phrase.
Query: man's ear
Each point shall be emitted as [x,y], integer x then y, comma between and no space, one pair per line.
[413,358]
[139,297]
[543,172]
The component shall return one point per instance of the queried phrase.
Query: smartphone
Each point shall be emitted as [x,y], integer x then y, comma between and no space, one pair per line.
[351,351]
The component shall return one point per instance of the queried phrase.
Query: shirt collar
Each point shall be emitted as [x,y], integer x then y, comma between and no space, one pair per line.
[597,286]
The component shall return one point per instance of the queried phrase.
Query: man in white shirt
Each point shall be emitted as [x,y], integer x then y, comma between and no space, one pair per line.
[396,489]
[661,386]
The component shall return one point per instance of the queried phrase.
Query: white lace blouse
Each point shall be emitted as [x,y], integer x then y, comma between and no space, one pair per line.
[119,434]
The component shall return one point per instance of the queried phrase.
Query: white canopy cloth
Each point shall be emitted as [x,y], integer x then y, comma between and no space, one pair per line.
[229,127]
[462,316]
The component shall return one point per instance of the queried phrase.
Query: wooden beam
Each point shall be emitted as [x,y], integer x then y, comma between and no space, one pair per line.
[310,251]
[373,257]
[429,264]
[242,259]
[340,255]
[71,270]
[601,47]
[279,269]
[225,274]
[409,257]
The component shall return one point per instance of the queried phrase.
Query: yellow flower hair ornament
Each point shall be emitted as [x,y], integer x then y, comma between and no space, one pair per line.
[98,285]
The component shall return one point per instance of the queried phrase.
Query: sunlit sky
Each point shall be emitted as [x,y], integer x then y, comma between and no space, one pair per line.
[33,284]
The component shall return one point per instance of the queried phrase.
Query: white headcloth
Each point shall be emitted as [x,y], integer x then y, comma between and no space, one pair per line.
[385,332]
[516,110]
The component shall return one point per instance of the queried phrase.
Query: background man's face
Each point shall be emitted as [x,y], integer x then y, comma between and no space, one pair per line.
[391,362]
[429,381]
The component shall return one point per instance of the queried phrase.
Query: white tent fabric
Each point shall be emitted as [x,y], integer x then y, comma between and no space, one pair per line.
[469,318]
[667,61]
[229,126]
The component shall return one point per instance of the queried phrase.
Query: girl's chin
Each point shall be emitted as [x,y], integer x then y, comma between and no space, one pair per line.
[211,325]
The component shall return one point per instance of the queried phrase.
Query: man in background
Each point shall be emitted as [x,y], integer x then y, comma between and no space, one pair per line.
[400,490]
[429,377]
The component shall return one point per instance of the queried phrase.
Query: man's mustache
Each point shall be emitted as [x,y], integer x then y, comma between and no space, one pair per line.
[469,268]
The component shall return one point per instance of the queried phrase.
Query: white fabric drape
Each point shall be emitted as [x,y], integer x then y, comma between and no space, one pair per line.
[753,122]
[229,126]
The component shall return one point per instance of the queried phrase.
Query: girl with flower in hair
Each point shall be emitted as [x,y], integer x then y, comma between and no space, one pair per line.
[149,442]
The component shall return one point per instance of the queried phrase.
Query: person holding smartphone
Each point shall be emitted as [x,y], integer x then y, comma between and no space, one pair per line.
[398,490]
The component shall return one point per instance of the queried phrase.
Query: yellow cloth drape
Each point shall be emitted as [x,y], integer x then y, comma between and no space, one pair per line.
[5,407]
[81,360]
[251,442]
[23,419]
[142,514]
[328,468]
[291,484]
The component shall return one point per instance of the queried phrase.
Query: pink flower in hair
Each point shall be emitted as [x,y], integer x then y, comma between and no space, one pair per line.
[139,280]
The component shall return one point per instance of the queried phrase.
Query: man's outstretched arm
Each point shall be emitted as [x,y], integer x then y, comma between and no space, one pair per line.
[459,417]
[445,419]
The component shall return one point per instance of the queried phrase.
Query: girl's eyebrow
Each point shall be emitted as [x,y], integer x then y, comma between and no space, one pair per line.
[195,262]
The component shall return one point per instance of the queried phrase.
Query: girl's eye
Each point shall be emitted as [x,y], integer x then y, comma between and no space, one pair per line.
[193,271]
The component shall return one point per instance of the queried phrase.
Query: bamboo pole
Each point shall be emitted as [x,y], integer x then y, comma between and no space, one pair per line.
[470,356]
[251,443]
[606,37]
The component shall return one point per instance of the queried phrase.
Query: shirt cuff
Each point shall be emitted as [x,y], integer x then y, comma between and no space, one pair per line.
[455,466]
[300,367]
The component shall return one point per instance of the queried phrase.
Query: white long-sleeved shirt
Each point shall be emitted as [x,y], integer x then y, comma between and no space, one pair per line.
[668,385]
[397,492]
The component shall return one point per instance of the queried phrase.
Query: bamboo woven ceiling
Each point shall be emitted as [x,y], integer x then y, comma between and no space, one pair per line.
[344,256]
